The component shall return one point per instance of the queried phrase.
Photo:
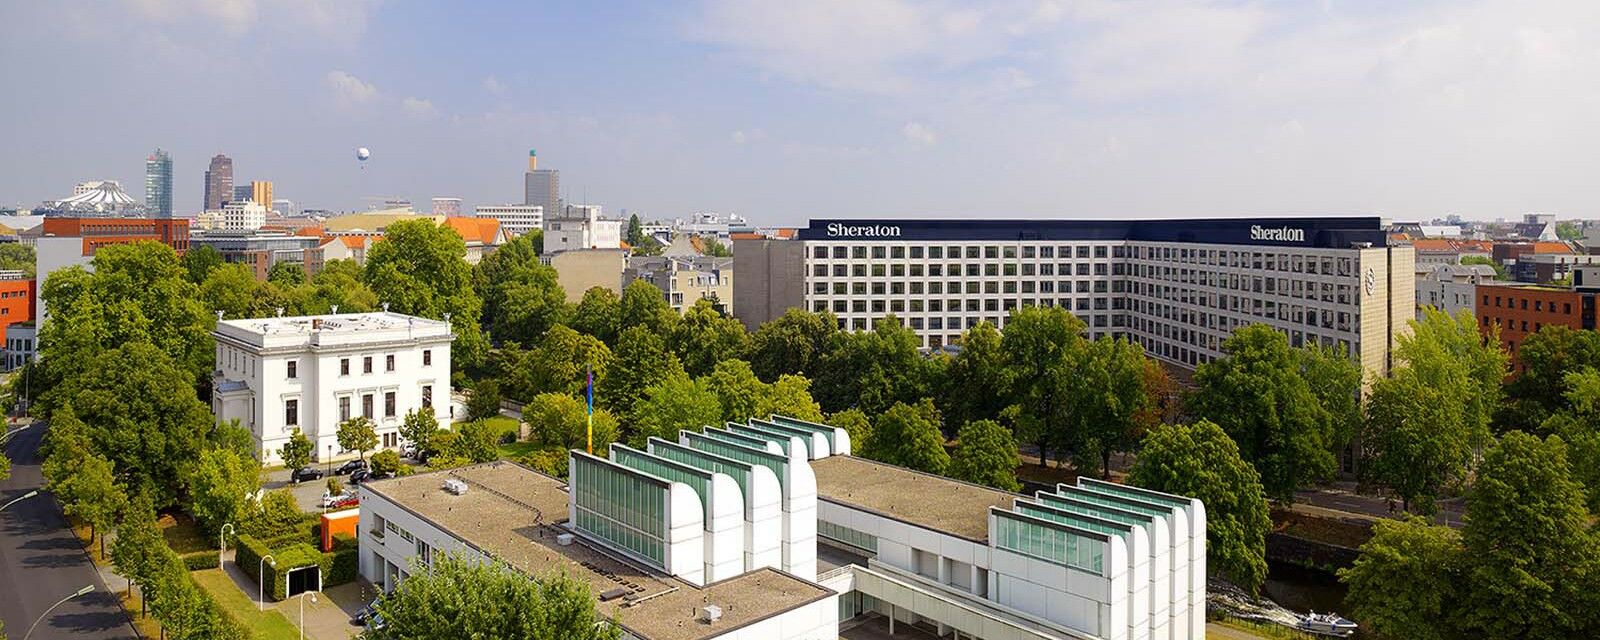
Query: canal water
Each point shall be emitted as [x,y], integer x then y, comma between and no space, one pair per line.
[1302,590]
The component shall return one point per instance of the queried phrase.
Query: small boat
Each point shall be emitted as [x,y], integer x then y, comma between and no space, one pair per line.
[1326,624]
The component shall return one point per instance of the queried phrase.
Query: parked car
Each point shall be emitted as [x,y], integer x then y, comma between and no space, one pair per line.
[365,613]
[350,467]
[305,473]
[340,501]
[359,476]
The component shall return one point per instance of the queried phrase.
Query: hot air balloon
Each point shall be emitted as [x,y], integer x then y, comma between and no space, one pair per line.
[363,154]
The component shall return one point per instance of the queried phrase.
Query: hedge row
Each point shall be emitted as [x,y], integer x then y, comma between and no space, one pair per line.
[336,567]
[201,560]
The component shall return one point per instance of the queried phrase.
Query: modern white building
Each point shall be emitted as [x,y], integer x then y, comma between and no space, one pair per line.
[515,219]
[772,530]
[239,215]
[579,226]
[1179,288]
[275,375]
[447,206]
[1451,287]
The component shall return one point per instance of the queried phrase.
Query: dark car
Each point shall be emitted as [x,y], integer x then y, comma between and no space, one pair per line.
[366,613]
[351,467]
[305,473]
[361,475]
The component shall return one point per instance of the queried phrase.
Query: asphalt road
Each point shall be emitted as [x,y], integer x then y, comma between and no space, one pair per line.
[41,562]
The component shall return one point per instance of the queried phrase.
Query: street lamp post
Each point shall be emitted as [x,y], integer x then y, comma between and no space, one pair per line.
[261,583]
[62,601]
[222,541]
[303,595]
[20,498]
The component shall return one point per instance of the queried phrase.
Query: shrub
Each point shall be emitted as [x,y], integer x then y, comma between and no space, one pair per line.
[294,556]
[249,554]
[201,560]
[344,541]
[340,565]
[275,515]
[551,461]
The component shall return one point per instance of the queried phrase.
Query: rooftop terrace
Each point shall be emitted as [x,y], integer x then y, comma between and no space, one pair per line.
[941,504]
[514,514]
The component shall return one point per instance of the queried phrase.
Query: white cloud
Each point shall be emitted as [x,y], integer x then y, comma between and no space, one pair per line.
[418,107]
[494,85]
[323,18]
[919,133]
[739,137]
[349,90]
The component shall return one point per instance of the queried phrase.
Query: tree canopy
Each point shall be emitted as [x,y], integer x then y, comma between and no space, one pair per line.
[418,268]
[705,338]
[909,436]
[986,454]
[521,296]
[791,343]
[456,597]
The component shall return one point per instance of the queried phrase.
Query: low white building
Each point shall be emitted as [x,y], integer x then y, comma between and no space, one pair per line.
[1451,287]
[312,372]
[515,219]
[579,226]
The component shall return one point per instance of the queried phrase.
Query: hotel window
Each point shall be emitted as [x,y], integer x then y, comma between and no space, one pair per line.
[344,366]
[366,364]
[917,253]
[293,366]
[858,253]
[291,412]
[935,253]
[839,253]
[427,357]
[427,396]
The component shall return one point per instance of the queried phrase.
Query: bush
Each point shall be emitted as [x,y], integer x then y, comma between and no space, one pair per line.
[386,463]
[248,555]
[344,541]
[276,515]
[201,560]
[295,556]
[340,565]
[551,462]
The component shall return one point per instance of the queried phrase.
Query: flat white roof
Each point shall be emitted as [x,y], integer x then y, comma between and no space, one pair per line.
[342,328]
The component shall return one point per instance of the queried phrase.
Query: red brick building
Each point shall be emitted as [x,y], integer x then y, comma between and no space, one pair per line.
[1521,310]
[99,232]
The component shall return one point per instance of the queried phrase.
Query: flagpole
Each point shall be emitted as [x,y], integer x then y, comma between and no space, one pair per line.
[589,373]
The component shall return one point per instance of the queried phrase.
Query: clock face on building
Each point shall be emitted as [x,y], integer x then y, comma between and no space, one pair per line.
[1371,280]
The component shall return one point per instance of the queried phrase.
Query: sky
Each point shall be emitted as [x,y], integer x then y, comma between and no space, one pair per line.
[783,111]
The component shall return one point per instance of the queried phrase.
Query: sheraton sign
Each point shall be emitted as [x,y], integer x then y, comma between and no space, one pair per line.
[1277,234]
[836,230]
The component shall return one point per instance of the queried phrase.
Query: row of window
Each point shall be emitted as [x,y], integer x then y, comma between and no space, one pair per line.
[366,363]
[382,526]
[936,252]
[1538,305]
[1049,543]
[858,539]
[621,508]
[1258,260]
[291,406]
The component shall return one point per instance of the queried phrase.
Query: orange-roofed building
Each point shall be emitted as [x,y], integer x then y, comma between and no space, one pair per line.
[482,235]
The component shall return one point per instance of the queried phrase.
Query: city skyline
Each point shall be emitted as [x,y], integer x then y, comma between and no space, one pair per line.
[871,109]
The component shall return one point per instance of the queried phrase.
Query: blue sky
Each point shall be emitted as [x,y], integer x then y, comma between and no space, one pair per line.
[787,110]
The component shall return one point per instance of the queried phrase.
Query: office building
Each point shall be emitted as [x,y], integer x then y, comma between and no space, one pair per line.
[219,182]
[579,226]
[261,193]
[275,375]
[243,193]
[1451,288]
[285,208]
[256,249]
[447,206]
[1177,287]
[61,242]
[772,530]
[1520,310]
[158,184]
[541,187]
[17,296]
[242,215]
[515,219]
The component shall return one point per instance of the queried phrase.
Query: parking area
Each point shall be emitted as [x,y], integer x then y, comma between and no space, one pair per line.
[308,494]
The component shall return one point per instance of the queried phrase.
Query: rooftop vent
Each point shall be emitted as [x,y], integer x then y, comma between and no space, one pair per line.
[613,594]
[455,487]
[564,539]
[710,613]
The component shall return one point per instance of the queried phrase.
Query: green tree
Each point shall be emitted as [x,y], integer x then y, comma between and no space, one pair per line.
[91,494]
[1569,230]
[334,486]
[986,454]
[1038,343]
[598,314]
[1335,380]
[1579,426]
[357,434]
[138,542]
[977,383]
[855,423]
[643,305]
[1201,461]
[634,235]
[1533,560]
[141,413]
[641,359]
[15,256]
[1440,348]
[484,402]
[1258,396]
[716,249]
[872,369]
[386,463]
[1107,394]
[1406,581]
[287,274]
[419,427]
[1416,440]
[672,405]
[791,343]
[909,436]
[790,396]
[199,262]
[1547,357]
[339,284]
[457,597]
[296,452]
[220,482]
[521,296]
[559,363]
[738,390]
[420,268]
[233,290]
[559,420]
[705,338]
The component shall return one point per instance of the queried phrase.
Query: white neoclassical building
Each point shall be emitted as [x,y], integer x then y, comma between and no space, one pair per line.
[312,372]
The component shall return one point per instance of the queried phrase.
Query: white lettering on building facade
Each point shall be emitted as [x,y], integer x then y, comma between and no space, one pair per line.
[1277,234]
[836,230]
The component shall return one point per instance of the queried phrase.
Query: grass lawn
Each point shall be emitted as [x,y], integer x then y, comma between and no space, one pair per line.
[1264,630]
[268,625]
[147,626]
[182,534]
[517,449]
[502,425]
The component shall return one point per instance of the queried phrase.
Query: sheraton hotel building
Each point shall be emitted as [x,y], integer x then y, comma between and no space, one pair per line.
[1177,287]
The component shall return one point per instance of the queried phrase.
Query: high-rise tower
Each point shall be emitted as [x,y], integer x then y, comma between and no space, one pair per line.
[541,187]
[158,184]
[219,182]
